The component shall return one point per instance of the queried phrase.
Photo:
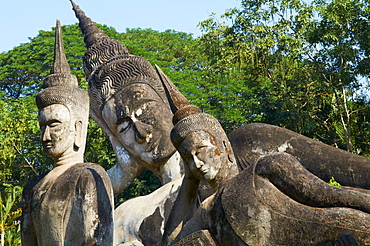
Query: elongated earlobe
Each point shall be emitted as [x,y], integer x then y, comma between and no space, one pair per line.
[78,134]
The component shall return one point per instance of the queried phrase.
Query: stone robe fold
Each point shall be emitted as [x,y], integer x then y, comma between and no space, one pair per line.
[70,205]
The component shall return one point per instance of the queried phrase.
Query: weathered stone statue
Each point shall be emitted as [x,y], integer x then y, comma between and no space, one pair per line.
[118,83]
[252,141]
[73,203]
[129,103]
[274,201]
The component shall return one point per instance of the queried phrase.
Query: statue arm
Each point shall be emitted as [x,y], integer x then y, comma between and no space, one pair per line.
[121,178]
[97,205]
[28,231]
[183,209]
[123,173]
[171,170]
[287,174]
[28,234]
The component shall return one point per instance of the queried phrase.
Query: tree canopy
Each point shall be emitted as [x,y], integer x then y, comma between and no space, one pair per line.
[303,66]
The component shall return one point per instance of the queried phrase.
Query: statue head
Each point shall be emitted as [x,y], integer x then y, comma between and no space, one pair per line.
[202,155]
[63,110]
[200,139]
[140,119]
[127,95]
[204,147]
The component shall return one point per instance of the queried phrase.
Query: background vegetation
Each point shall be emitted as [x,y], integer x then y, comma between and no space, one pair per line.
[296,64]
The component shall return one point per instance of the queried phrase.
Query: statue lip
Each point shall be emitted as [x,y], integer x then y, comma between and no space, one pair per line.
[204,169]
[151,145]
[47,145]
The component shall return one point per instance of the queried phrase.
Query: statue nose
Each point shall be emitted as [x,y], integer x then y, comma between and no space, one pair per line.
[198,163]
[142,131]
[46,134]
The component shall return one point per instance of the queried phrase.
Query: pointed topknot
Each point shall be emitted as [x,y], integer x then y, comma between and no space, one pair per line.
[100,48]
[180,106]
[89,29]
[60,61]
[60,73]
[61,87]
[177,100]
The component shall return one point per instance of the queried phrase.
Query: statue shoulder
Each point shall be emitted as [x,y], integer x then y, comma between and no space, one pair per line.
[92,169]
[87,167]
[92,176]
[28,190]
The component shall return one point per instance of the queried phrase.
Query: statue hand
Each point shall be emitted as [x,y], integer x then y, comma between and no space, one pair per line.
[188,173]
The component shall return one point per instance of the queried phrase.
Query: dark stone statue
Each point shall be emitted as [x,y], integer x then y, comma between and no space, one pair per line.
[278,198]
[73,203]
[252,141]
[273,201]
[129,103]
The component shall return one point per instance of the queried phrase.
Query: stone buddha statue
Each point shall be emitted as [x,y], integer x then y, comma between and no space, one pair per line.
[274,201]
[73,203]
[126,97]
[129,103]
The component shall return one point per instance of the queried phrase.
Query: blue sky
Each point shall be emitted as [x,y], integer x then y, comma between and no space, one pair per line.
[20,19]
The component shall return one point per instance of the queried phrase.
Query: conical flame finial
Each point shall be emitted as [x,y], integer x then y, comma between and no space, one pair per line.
[176,99]
[180,106]
[60,73]
[89,29]
[60,61]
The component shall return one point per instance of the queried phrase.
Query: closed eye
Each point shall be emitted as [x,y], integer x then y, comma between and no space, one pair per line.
[200,148]
[50,123]
[124,126]
[54,124]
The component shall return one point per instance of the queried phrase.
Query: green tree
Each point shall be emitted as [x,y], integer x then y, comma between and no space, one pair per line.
[298,65]
[23,69]
[340,36]
[10,212]
[20,151]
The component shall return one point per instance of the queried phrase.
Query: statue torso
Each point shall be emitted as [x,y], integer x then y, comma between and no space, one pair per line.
[63,204]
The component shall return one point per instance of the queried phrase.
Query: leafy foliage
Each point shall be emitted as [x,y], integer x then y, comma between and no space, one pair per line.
[295,64]
[10,212]
[22,71]
[20,151]
[334,183]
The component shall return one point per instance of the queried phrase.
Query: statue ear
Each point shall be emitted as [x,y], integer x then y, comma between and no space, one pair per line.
[78,134]
[230,155]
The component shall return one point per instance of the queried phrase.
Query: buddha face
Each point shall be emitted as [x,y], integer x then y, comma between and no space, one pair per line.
[202,155]
[57,130]
[142,122]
